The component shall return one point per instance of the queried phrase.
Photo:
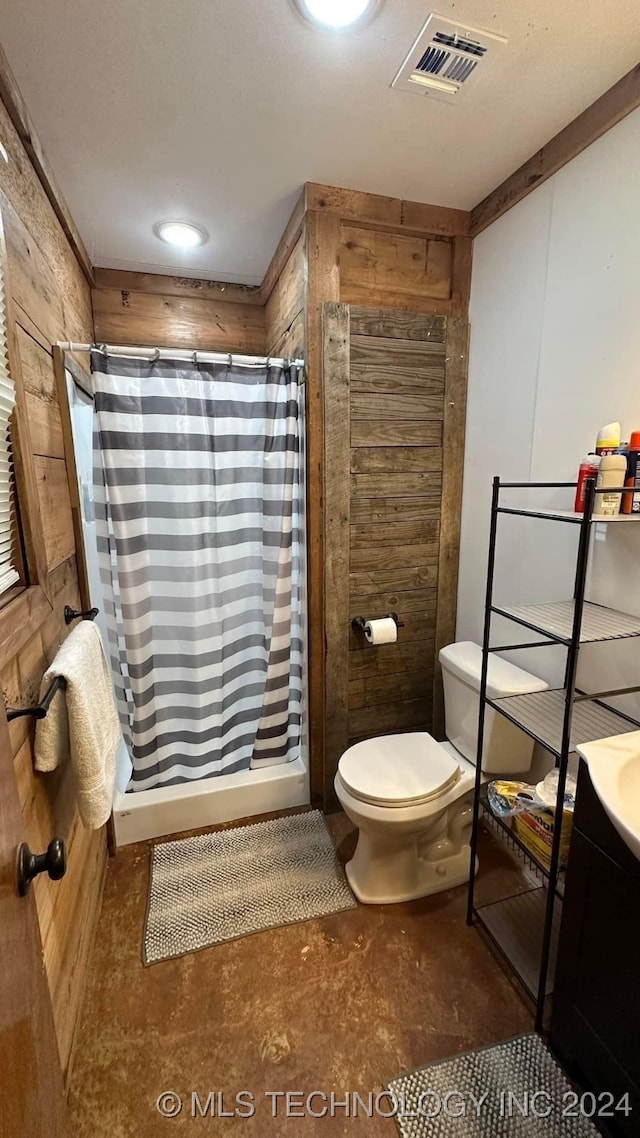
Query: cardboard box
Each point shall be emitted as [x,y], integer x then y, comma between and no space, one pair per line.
[535,831]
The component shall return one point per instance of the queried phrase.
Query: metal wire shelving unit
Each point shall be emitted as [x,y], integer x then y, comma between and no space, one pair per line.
[524,928]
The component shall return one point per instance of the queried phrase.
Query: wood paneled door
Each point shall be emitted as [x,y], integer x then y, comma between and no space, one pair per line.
[394,409]
[31,1087]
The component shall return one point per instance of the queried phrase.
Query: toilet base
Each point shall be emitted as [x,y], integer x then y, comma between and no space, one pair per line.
[427,878]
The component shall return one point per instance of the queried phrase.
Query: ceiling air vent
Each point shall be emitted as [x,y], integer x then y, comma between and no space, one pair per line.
[444,57]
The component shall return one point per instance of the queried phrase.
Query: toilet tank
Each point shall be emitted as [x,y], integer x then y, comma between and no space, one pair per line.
[507,750]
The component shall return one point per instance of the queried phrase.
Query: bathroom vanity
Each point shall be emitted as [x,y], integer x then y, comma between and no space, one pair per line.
[595,1026]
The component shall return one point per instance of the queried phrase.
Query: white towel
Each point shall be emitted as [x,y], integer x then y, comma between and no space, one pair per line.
[82,723]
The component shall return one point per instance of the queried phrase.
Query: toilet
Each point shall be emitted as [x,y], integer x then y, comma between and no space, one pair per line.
[412,797]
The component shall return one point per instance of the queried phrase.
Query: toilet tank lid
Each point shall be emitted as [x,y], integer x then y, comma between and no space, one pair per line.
[464,660]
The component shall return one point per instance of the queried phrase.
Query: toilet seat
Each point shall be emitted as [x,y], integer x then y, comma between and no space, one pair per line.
[398,770]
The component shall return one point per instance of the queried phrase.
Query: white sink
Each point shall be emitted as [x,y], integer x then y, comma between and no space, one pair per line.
[614,766]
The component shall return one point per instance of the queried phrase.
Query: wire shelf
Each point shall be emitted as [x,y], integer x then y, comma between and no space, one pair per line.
[516,926]
[567,515]
[555,620]
[525,928]
[500,829]
[541,715]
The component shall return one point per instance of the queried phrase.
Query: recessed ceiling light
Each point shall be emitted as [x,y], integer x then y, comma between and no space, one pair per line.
[181,233]
[335,13]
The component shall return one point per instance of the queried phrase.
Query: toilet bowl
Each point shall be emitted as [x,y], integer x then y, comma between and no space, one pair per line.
[411,796]
[411,800]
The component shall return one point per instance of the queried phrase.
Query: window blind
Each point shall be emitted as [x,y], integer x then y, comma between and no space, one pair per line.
[8,574]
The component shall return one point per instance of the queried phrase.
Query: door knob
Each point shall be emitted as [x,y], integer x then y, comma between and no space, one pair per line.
[29,865]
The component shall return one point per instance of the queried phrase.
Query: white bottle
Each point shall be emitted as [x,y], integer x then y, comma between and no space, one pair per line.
[612,473]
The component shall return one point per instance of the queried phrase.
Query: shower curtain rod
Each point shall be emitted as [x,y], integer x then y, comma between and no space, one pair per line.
[180,354]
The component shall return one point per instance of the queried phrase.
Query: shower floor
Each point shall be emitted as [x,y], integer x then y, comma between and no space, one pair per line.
[341,1004]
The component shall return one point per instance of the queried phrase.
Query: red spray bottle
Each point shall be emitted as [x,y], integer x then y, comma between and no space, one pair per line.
[588,469]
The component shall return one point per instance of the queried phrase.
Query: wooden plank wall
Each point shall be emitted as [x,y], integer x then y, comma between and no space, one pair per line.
[383,535]
[336,329]
[394,419]
[177,312]
[322,244]
[171,311]
[49,299]
[397,254]
[285,307]
[181,312]
[394,266]
[402,267]
[364,250]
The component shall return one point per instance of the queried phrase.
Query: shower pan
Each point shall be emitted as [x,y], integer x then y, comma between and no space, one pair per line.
[140,814]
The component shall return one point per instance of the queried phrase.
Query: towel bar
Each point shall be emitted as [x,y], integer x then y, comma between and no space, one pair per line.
[74,614]
[59,684]
[38,712]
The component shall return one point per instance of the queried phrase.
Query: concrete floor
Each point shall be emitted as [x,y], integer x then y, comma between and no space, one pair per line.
[340,1004]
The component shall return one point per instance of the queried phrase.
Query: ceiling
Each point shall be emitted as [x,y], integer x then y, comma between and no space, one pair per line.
[217,111]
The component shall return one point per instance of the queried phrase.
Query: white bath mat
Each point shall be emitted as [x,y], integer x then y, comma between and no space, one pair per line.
[221,886]
[512,1090]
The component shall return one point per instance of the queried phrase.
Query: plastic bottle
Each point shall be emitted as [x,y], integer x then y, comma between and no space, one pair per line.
[612,473]
[631,502]
[608,439]
[589,468]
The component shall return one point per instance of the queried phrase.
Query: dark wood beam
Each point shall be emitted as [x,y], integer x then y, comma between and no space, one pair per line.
[609,109]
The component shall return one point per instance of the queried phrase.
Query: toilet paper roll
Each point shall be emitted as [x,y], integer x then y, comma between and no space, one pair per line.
[384,631]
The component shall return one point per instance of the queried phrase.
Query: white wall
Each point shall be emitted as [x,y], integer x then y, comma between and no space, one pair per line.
[555,354]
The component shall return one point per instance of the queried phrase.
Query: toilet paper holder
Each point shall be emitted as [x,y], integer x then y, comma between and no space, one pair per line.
[359,623]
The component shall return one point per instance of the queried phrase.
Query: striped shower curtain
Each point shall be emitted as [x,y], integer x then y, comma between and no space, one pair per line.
[199,512]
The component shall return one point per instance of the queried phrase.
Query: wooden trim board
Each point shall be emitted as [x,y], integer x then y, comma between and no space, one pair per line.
[19,115]
[60,362]
[337,505]
[461,276]
[285,247]
[174,285]
[26,480]
[386,213]
[596,120]
[322,245]
[455,406]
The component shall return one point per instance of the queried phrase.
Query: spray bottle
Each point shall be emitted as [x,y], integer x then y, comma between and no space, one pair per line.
[608,439]
[631,502]
[589,468]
